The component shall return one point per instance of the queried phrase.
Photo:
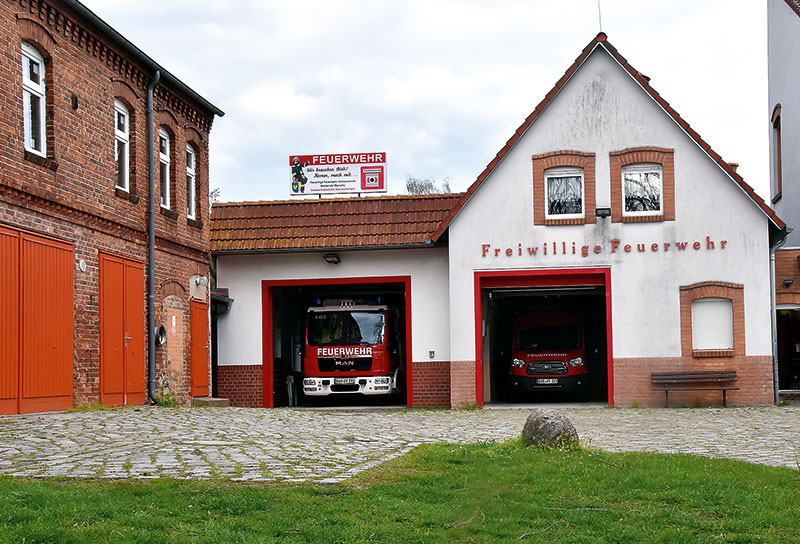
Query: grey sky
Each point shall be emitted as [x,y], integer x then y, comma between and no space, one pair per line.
[438,85]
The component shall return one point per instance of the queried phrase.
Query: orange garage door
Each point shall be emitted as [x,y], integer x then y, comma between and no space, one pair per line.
[36,331]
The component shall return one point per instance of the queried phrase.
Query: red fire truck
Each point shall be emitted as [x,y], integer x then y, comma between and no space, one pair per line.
[351,348]
[549,353]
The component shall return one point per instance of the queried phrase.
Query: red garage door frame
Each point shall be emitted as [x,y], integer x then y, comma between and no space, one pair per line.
[267,361]
[566,277]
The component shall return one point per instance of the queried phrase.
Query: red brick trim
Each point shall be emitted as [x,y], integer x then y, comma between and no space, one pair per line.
[633,381]
[635,155]
[787,267]
[556,159]
[431,384]
[241,384]
[712,289]
[462,383]
[172,287]
[777,168]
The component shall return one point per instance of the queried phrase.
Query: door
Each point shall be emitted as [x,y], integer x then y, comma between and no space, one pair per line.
[36,323]
[9,321]
[199,340]
[122,331]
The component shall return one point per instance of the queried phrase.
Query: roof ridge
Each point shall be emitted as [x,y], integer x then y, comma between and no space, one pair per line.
[337,199]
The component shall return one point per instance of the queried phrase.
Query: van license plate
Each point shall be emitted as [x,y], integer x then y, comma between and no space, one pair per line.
[344,381]
[547,381]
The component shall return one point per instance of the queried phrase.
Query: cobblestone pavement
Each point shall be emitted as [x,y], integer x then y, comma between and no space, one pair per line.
[331,445]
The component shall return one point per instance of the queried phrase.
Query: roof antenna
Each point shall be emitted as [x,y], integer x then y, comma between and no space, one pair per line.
[599,16]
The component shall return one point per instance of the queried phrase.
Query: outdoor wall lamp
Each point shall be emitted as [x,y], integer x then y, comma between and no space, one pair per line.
[202,281]
[332,258]
[787,282]
[603,212]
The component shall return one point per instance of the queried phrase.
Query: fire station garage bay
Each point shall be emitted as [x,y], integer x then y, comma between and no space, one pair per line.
[605,242]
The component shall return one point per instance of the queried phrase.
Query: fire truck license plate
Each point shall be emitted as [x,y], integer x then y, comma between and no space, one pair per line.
[344,381]
[547,381]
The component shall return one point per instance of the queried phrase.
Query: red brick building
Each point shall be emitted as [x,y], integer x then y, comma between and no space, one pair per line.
[74,199]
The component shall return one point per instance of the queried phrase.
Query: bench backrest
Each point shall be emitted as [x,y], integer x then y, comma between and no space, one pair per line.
[698,376]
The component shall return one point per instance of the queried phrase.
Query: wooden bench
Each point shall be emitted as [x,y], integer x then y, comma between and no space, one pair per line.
[699,380]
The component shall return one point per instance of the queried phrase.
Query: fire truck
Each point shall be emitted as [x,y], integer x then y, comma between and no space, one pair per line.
[352,348]
[549,353]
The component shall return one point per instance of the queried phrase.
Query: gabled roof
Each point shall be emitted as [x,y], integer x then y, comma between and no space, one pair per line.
[601,41]
[358,223]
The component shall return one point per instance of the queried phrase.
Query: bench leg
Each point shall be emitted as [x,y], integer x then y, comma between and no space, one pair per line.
[667,392]
[724,398]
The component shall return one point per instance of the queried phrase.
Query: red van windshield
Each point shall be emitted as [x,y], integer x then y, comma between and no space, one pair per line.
[549,337]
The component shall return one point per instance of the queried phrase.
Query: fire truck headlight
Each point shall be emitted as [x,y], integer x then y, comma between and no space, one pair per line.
[518,363]
[577,361]
[382,380]
[309,381]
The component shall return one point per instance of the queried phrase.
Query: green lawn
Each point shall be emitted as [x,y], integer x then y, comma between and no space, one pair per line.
[441,493]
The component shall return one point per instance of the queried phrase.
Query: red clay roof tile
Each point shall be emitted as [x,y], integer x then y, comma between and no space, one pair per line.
[388,221]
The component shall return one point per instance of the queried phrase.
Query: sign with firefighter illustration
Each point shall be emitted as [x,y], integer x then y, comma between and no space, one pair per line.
[334,174]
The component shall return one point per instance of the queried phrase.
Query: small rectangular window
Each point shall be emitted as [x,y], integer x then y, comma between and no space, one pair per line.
[33,99]
[712,323]
[122,145]
[164,164]
[642,191]
[191,176]
[564,193]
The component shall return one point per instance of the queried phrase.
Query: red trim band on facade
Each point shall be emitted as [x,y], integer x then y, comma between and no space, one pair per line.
[266,332]
[573,277]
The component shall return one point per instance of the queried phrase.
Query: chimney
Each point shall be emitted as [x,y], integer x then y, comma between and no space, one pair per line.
[734,165]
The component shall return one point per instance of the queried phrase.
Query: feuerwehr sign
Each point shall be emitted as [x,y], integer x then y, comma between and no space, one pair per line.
[332,174]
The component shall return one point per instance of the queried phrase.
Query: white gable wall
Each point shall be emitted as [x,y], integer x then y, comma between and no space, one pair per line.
[601,110]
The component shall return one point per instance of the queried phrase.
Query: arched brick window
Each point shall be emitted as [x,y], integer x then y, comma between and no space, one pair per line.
[563,188]
[642,185]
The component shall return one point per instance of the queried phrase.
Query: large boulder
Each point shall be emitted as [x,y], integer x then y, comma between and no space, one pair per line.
[548,428]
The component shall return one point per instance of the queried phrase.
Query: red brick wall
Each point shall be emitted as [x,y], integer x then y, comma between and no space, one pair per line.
[71,194]
[241,384]
[431,384]
[632,381]
[787,266]
[462,383]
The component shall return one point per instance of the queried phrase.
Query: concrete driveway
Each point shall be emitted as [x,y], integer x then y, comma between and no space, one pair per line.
[331,445]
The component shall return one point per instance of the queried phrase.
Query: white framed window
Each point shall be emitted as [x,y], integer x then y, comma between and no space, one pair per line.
[642,189]
[163,164]
[33,99]
[191,185]
[712,323]
[122,145]
[564,193]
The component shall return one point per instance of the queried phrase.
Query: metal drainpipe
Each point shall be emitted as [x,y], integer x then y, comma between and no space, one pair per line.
[774,308]
[151,242]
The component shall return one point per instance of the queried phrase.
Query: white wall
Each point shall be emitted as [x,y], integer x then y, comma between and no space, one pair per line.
[240,329]
[602,109]
[784,84]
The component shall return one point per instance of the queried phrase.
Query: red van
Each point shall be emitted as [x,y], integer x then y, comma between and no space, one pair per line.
[549,353]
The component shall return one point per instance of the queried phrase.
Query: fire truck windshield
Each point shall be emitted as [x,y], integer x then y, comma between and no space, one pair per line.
[549,337]
[345,328]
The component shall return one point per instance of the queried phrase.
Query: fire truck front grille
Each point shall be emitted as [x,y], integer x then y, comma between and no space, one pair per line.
[546,368]
[345,365]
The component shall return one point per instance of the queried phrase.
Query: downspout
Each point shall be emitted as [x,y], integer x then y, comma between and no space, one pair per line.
[774,307]
[151,242]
